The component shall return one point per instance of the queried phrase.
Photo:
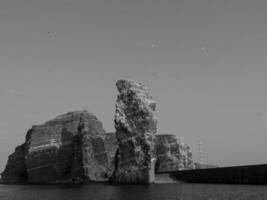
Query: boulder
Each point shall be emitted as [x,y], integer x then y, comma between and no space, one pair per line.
[172,154]
[136,125]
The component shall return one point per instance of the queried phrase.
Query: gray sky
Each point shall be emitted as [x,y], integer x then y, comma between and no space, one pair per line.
[203,60]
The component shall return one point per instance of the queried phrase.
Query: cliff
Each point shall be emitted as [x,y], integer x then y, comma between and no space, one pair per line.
[68,148]
[111,145]
[136,125]
[15,170]
[172,154]
[74,147]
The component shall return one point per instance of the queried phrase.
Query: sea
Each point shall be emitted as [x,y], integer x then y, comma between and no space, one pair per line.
[173,191]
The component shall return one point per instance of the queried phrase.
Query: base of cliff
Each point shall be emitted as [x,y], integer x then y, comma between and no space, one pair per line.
[165,178]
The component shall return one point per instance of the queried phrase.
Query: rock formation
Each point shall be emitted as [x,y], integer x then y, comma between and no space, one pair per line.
[15,171]
[189,158]
[136,125]
[172,154]
[111,145]
[69,148]
[74,147]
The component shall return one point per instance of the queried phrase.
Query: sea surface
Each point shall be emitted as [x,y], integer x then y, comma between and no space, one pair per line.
[176,191]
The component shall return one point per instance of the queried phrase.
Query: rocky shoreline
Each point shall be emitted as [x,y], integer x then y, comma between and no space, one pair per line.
[75,148]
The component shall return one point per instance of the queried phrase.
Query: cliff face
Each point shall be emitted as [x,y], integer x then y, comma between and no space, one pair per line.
[136,125]
[189,158]
[172,154]
[70,147]
[74,147]
[111,145]
[15,171]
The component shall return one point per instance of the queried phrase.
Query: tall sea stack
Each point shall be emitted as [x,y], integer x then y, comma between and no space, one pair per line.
[136,126]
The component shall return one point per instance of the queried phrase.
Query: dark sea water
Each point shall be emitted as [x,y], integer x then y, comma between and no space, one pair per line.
[153,192]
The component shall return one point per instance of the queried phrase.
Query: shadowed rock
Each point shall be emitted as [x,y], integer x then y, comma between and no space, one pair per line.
[111,145]
[172,154]
[136,125]
[15,170]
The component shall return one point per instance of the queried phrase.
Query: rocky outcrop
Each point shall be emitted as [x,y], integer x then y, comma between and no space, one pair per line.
[111,145]
[15,170]
[68,148]
[189,164]
[172,154]
[74,147]
[136,125]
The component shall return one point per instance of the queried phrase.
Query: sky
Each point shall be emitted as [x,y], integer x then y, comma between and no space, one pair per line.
[204,62]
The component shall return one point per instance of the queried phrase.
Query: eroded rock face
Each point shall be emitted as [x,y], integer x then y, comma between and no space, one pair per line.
[136,125]
[15,170]
[68,148]
[189,158]
[172,154]
[111,145]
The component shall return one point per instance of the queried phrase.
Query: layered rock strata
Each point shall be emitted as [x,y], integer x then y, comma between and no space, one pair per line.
[68,148]
[172,154]
[136,125]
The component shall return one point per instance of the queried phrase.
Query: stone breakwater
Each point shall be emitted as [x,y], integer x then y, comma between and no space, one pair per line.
[74,147]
